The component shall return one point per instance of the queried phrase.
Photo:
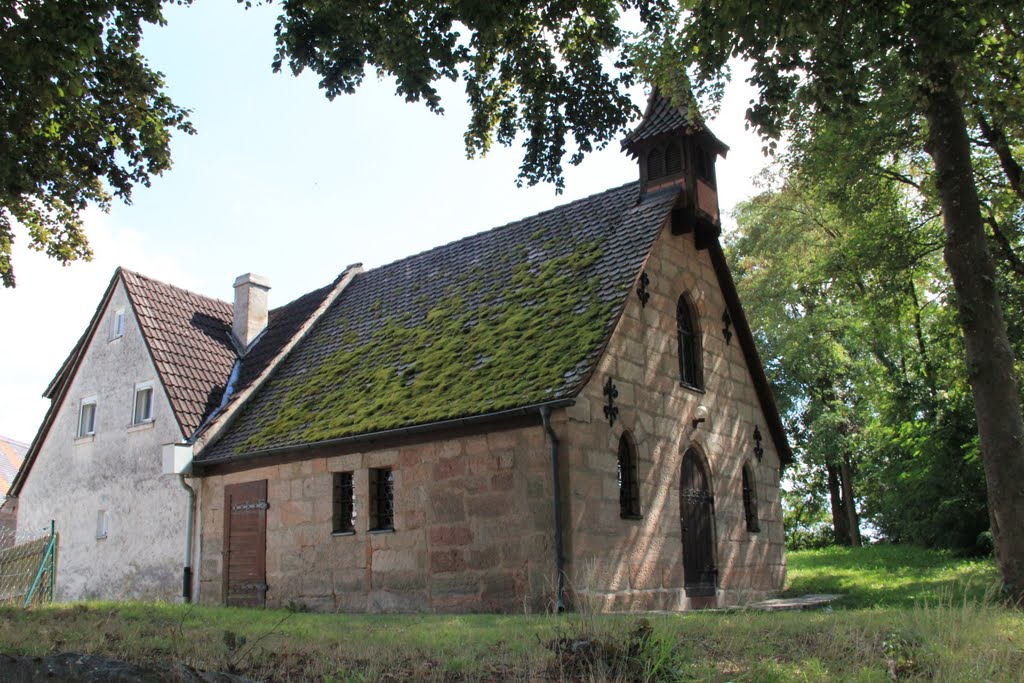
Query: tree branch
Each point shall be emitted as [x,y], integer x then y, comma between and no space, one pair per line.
[1005,248]
[996,138]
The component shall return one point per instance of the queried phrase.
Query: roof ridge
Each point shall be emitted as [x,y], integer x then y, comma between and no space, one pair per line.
[175,287]
[477,235]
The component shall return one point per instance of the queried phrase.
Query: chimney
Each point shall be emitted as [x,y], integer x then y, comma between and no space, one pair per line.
[250,315]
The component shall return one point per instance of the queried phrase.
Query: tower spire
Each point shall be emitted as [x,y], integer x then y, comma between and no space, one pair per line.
[674,148]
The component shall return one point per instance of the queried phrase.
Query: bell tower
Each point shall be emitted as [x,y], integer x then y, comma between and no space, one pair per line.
[675,149]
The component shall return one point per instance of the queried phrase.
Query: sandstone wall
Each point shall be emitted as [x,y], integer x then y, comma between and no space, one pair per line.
[626,564]
[473,529]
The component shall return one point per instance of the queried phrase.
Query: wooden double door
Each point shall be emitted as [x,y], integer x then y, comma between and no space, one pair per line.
[245,544]
[697,518]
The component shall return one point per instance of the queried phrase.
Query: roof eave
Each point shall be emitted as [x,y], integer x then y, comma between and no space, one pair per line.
[386,434]
[745,335]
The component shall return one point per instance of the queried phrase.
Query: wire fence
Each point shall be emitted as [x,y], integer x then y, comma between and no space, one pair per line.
[28,565]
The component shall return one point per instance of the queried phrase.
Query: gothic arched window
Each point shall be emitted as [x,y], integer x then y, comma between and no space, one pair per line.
[655,163]
[750,500]
[629,478]
[690,371]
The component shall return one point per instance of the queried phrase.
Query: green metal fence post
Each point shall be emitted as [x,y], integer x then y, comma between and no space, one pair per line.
[50,548]
[53,558]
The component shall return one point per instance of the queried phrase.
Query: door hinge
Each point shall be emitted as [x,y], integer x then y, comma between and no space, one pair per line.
[254,505]
[250,587]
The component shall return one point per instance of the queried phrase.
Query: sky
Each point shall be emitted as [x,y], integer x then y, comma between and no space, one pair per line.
[281,182]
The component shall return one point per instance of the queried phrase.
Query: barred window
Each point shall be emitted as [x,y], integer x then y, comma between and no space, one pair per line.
[382,500]
[629,480]
[750,500]
[690,373]
[343,519]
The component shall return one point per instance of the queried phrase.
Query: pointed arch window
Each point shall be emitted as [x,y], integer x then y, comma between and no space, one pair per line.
[750,500]
[673,159]
[690,370]
[656,163]
[629,479]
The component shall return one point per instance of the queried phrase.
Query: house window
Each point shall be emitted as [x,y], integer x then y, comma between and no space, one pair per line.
[750,500]
[143,410]
[689,346]
[629,480]
[101,524]
[87,417]
[343,519]
[382,500]
[117,325]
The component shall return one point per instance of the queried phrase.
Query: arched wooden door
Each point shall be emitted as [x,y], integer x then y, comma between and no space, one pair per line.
[697,516]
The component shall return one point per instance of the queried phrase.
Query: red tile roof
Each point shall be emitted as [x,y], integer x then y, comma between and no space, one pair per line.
[189,337]
[11,454]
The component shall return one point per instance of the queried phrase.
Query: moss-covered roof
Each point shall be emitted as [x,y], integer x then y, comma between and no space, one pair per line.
[504,319]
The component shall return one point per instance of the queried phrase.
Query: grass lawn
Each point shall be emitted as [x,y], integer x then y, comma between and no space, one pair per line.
[906,613]
[890,576]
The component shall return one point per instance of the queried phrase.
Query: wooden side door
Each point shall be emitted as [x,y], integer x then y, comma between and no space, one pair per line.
[697,517]
[245,544]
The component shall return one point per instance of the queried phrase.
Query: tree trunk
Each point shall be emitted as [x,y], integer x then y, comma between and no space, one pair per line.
[852,520]
[840,522]
[989,359]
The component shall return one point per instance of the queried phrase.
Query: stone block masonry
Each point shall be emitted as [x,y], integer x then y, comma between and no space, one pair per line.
[472,529]
[637,564]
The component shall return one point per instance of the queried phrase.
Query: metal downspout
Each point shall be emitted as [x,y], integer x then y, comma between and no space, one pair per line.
[545,413]
[186,575]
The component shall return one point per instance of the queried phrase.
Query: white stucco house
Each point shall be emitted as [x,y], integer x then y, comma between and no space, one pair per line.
[152,364]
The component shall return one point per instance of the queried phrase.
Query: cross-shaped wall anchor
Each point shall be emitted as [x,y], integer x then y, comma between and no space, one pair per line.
[610,411]
[641,291]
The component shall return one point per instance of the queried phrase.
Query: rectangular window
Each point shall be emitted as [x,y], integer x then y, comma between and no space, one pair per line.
[344,517]
[382,500]
[101,524]
[87,417]
[117,325]
[143,410]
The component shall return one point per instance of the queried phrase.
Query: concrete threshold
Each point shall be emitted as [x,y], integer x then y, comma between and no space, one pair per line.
[802,602]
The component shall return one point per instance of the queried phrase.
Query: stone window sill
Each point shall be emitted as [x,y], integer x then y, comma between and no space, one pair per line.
[382,531]
[88,438]
[343,533]
[148,424]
